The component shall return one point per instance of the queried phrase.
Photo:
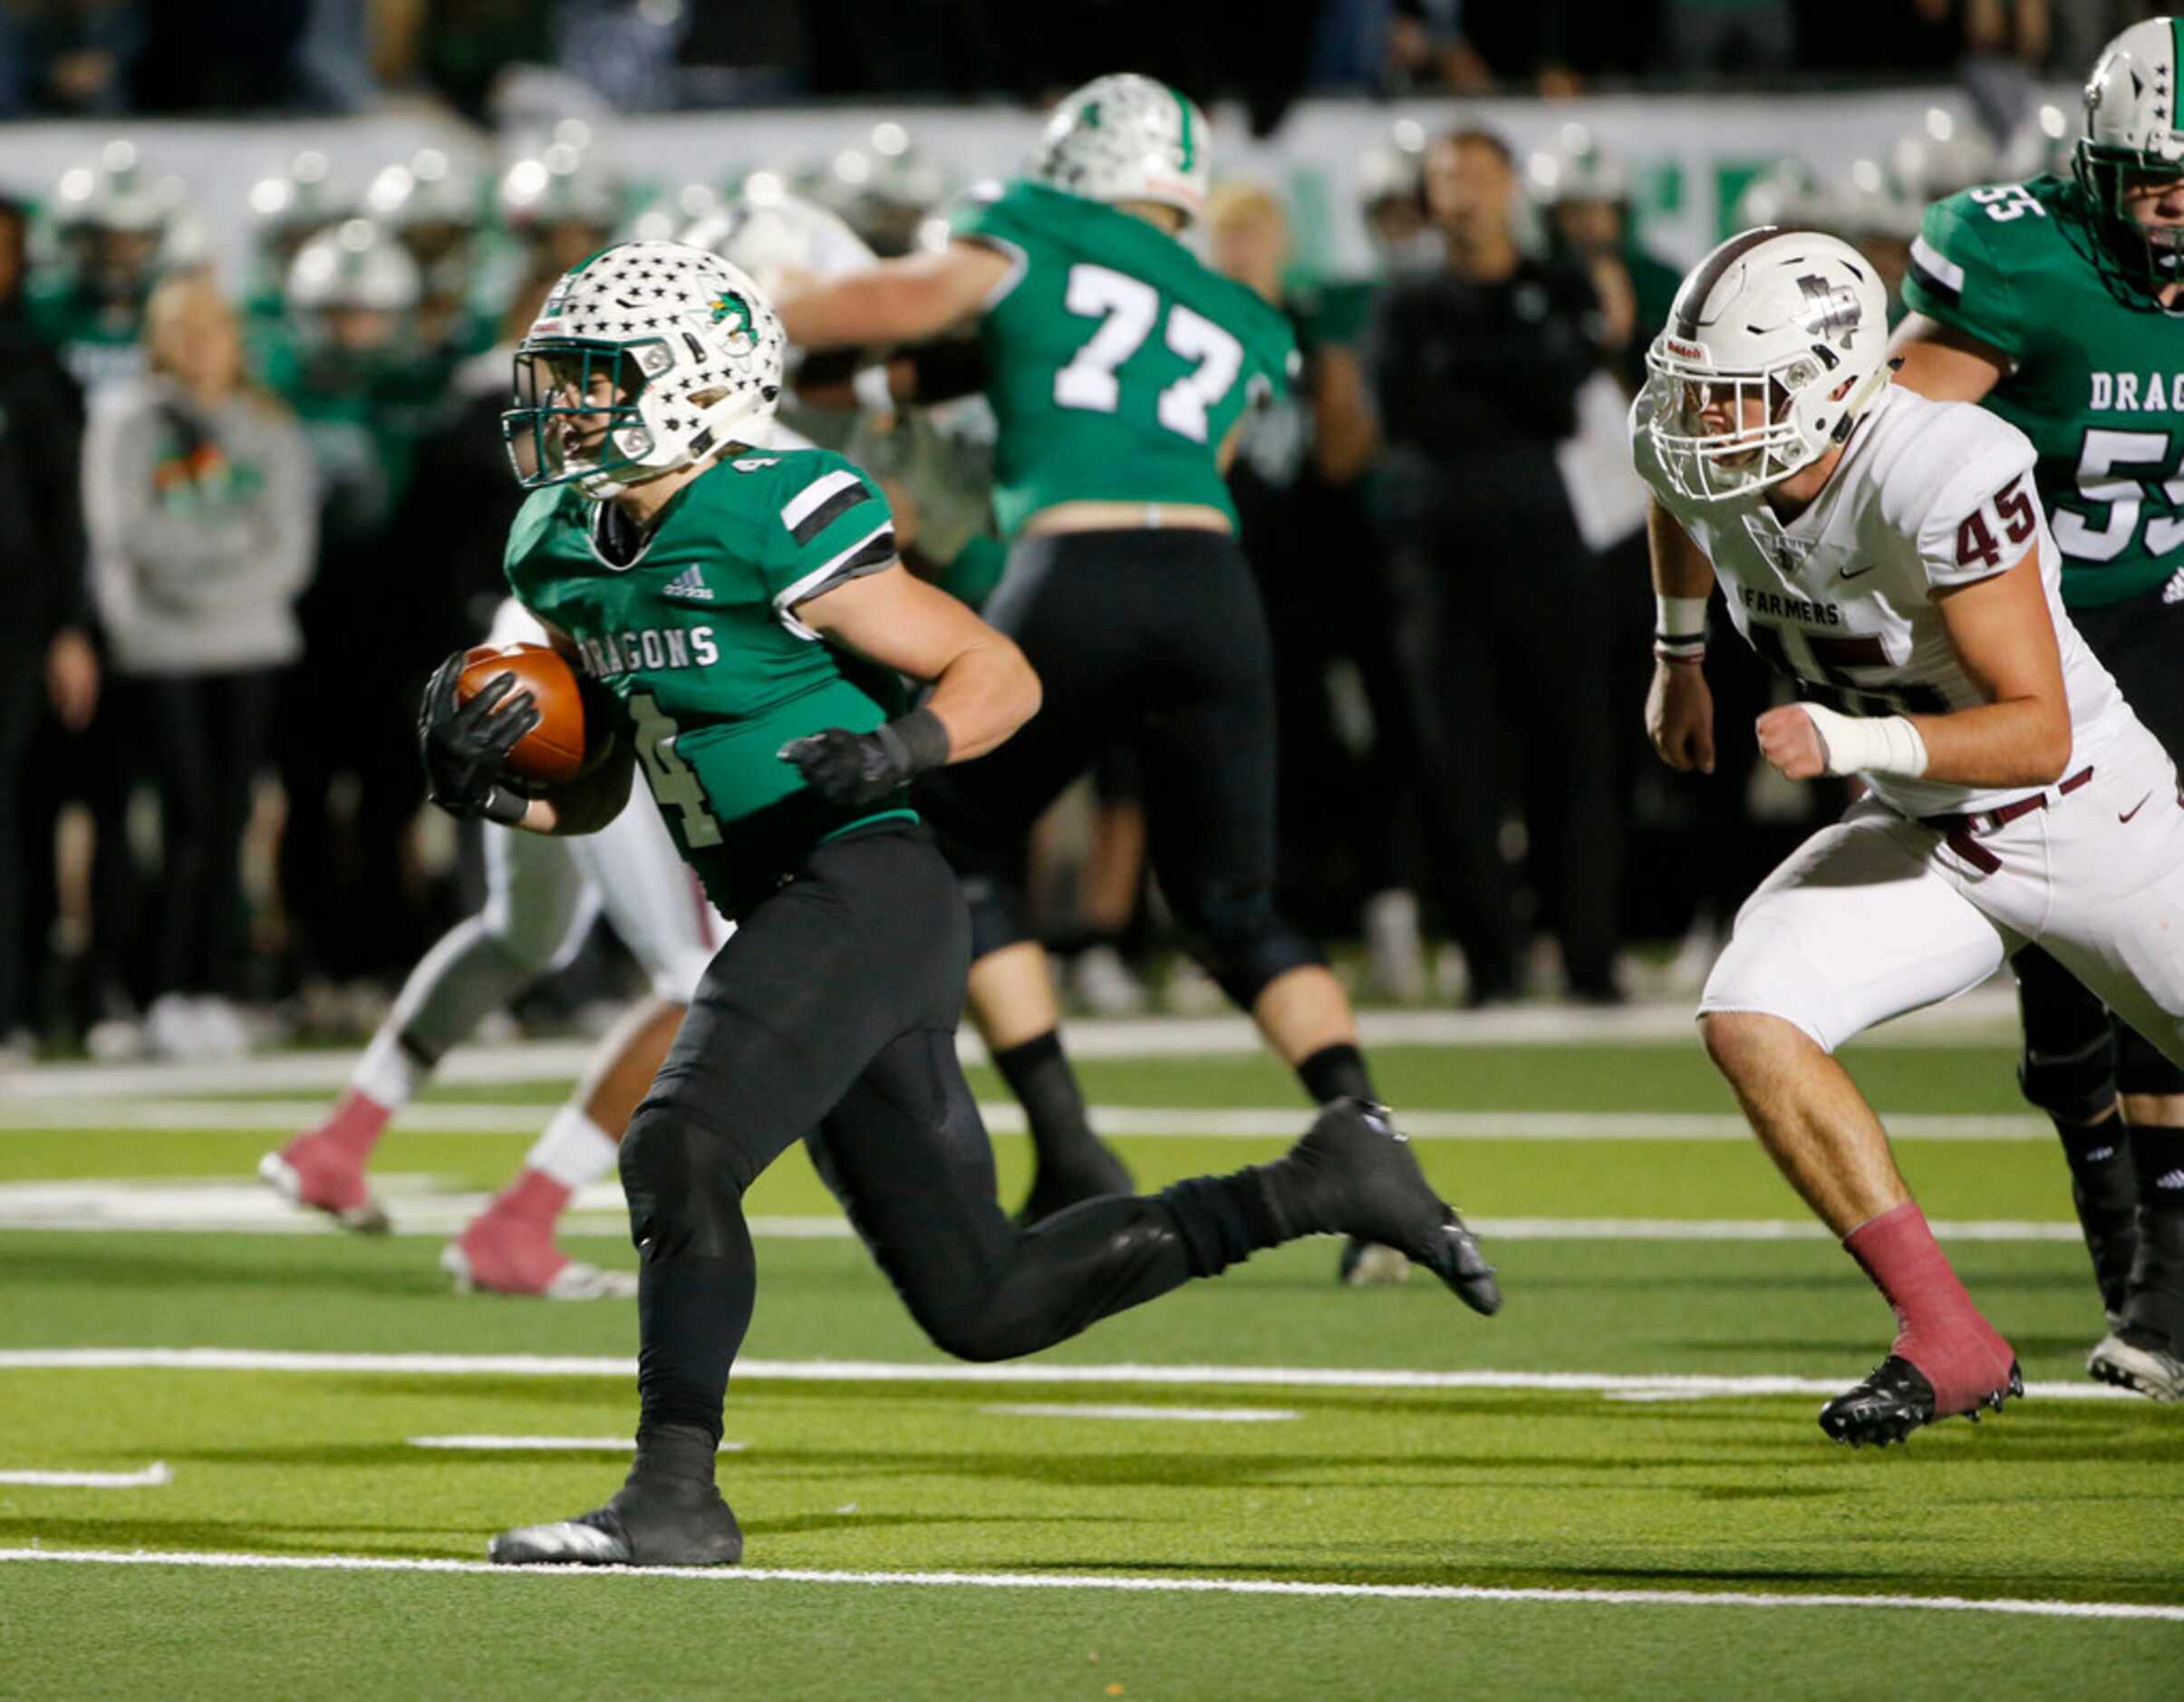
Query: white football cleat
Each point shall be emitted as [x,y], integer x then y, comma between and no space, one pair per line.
[356,1210]
[571,1280]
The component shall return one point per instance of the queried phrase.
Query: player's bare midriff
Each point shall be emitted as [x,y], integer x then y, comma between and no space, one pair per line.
[1127,517]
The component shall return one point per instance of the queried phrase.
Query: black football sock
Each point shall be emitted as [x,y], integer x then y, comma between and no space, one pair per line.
[1224,1220]
[692,1315]
[2154,1311]
[1337,1072]
[1037,1073]
[2104,1187]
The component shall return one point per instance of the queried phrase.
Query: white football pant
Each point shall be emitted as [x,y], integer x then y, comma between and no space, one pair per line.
[1877,915]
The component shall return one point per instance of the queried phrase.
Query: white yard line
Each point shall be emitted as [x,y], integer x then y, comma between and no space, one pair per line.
[1135,1586]
[544,1445]
[152,1477]
[1987,1015]
[1157,1414]
[1136,1122]
[944,1372]
[418,1206]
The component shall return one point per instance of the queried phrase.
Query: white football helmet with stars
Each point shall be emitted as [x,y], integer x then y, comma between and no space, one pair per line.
[1126,137]
[678,348]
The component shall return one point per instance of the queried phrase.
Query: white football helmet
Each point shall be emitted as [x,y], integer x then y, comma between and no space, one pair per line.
[1777,342]
[1126,137]
[2132,134]
[1942,157]
[644,359]
[781,238]
[355,265]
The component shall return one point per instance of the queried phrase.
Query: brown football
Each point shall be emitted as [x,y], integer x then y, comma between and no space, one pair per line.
[553,752]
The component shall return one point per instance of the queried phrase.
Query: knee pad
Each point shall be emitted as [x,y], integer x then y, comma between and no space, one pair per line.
[997,913]
[2069,1067]
[2143,1068]
[1240,941]
[684,1197]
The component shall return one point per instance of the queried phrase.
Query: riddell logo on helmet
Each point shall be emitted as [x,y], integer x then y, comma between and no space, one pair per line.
[1684,351]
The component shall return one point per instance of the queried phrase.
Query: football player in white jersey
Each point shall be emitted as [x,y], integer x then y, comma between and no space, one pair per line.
[542,896]
[1891,555]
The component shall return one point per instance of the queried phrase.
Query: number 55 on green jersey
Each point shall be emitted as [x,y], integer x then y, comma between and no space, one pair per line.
[1117,361]
[2096,384]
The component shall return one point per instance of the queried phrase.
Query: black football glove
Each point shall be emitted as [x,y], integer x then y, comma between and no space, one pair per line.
[853,769]
[464,745]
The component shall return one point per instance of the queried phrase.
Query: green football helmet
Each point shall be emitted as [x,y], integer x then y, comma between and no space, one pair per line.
[2131,138]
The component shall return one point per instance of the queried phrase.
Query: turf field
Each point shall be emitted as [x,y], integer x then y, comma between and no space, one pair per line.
[241,1458]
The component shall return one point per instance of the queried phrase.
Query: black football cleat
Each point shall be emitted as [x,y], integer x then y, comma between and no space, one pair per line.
[1898,1400]
[652,1524]
[1089,1173]
[1354,1174]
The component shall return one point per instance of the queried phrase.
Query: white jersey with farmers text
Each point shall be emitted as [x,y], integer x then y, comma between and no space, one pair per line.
[1927,496]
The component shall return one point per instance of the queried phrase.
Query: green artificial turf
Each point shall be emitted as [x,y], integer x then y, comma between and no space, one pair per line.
[1561,1489]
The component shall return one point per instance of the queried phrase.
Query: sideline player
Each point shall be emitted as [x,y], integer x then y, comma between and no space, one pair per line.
[542,896]
[1119,368]
[746,608]
[1888,553]
[2060,306]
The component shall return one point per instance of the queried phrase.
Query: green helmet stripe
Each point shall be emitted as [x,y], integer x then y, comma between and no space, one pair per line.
[1190,138]
[2175,70]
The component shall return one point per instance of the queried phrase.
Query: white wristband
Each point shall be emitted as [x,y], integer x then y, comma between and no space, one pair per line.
[1855,745]
[1679,618]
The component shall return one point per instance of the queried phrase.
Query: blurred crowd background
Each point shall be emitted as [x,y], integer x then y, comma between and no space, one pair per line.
[262,263]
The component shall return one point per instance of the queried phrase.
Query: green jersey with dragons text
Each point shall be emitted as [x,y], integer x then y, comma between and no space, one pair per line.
[2097,385]
[1116,362]
[695,634]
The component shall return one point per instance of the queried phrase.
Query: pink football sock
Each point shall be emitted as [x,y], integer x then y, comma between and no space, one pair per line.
[1937,1328]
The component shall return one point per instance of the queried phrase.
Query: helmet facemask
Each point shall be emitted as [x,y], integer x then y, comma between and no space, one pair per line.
[1720,433]
[647,358]
[2135,260]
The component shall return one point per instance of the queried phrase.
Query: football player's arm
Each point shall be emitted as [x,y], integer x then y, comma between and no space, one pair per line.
[982,688]
[1944,363]
[896,301]
[1679,704]
[2005,641]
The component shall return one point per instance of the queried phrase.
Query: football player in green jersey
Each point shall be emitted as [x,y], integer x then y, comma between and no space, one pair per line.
[1119,369]
[114,227]
[743,621]
[2060,304]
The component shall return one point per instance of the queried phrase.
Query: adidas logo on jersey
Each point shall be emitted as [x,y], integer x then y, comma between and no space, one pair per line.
[2174,591]
[690,585]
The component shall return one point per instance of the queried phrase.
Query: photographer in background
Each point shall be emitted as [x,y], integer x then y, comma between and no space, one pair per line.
[1475,368]
[46,653]
[203,525]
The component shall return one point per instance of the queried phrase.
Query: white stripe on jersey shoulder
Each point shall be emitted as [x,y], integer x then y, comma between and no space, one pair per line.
[807,500]
[785,602]
[1932,259]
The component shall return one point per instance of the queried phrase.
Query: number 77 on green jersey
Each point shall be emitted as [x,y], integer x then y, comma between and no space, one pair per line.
[1116,360]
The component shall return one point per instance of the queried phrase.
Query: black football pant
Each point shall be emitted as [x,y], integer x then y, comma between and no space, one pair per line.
[1156,640]
[22,701]
[2141,640]
[830,1016]
[208,734]
[1502,630]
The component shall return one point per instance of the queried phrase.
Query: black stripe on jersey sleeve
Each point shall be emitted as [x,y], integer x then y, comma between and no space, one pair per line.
[829,511]
[873,554]
[1934,284]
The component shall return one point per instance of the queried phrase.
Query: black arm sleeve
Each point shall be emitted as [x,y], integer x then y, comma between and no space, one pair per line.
[946,368]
